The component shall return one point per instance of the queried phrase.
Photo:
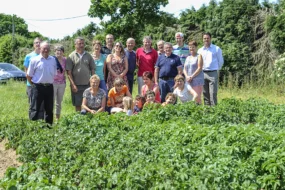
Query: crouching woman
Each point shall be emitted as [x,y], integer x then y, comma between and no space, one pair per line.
[94,98]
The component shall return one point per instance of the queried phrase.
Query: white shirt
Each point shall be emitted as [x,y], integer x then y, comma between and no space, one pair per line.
[184,95]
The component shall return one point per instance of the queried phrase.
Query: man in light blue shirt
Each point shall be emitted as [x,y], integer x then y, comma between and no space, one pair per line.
[212,62]
[181,49]
[40,74]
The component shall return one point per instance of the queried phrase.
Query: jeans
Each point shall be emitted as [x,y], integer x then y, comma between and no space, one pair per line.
[165,86]
[41,114]
[103,86]
[131,82]
[140,84]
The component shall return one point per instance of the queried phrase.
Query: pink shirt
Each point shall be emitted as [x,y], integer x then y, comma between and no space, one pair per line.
[157,95]
[146,60]
[60,77]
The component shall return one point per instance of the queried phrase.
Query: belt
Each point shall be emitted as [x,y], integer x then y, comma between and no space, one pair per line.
[43,84]
[166,78]
[208,71]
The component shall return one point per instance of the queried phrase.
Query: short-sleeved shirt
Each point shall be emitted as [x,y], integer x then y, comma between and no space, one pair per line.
[184,95]
[182,52]
[42,70]
[81,67]
[94,102]
[100,66]
[27,62]
[146,60]
[168,65]
[117,96]
[131,55]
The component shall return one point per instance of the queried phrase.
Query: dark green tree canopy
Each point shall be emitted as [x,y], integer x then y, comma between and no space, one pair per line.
[6,24]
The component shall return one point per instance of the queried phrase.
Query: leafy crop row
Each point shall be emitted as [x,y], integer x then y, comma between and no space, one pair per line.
[235,145]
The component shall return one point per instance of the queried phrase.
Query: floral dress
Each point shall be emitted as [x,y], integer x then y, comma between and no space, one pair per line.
[94,102]
[118,66]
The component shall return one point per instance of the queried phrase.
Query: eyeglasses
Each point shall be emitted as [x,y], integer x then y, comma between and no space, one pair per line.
[118,46]
[37,42]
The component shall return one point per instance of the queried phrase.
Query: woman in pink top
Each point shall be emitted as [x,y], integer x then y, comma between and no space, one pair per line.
[59,83]
[150,85]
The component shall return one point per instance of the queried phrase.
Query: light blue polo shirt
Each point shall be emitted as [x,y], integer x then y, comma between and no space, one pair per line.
[27,62]
[182,52]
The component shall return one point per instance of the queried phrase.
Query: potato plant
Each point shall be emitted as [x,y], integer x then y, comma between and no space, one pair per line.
[234,145]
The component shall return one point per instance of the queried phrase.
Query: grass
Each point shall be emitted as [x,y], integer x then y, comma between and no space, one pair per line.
[14,101]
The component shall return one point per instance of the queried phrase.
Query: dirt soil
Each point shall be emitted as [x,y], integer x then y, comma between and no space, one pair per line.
[7,158]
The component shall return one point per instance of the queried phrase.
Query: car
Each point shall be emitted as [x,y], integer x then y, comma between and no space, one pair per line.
[9,71]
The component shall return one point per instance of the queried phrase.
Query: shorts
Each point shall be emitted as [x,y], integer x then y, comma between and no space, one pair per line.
[76,97]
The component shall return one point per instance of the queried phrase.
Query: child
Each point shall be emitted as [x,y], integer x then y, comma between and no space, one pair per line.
[170,99]
[116,95]
[139,103]
[150,97]
[128,105]
[184,91]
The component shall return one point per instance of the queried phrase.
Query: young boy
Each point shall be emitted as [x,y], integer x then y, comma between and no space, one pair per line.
[169,99]
[116,95]
[139,103]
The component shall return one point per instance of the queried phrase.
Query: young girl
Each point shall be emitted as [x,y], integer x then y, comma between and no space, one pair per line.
[169,99]
[139,103]
[183,90]
[116,95]
[128,105]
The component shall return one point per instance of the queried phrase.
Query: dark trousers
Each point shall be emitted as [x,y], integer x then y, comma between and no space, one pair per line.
[165,86]
[131,82]
[42,111]
[41,94]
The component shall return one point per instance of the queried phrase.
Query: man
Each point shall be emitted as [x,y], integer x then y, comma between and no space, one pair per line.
[40,74]
[146,59]
[160,47]
[79,66]
[180,49]
[107,49]
[36,52]
[212,62]
[166,68]
[131,55]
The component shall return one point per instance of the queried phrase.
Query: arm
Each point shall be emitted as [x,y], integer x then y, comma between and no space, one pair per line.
[194,94]
[103,104]
[137,59]
[179,69]
[84,106]
[72,84]
[156,73]
[129,94]
[126,67]
[29,79]
[109,62]
[220,57]
[104,68]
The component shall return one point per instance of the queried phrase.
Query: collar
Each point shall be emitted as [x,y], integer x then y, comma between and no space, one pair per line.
[211,45]
[150,50]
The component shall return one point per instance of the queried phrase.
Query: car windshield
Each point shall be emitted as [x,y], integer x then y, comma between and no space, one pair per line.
[8,67]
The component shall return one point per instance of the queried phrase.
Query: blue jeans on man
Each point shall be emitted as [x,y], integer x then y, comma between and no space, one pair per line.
[165,86]
[130,78]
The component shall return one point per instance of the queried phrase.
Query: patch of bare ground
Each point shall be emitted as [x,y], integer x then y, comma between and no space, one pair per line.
[8,158]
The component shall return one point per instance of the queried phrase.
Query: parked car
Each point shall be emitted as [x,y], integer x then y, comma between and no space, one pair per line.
[9,71]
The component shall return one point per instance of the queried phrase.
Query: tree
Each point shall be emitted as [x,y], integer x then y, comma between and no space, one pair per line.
[6,25]
[128,18]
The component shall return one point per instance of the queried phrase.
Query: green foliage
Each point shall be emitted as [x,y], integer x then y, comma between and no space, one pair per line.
[279,69]
[6,23]
[235,145]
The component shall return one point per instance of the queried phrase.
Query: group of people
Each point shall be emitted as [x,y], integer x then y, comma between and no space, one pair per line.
[103,80]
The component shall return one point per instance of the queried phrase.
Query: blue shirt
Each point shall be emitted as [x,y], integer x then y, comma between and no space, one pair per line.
[182,52]
[100,66]
[131,55]
[27,62]
[168,65]
[42,70]
[212,57]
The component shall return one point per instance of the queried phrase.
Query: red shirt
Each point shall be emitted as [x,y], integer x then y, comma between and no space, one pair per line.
[146,60]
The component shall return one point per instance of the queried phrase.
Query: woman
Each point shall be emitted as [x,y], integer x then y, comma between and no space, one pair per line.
[59,83]
[117,64]
[100,62]
[94,98]
[150,85]
[193,70]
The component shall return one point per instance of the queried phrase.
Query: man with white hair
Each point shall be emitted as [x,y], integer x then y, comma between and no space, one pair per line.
[181,49]
[131,55]
[40,74]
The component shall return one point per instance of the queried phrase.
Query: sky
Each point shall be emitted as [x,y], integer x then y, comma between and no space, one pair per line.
[36,12]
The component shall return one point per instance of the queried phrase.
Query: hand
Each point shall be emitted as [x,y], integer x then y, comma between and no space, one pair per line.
[93,111]
[74,88]
[122,75]
[189,79]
